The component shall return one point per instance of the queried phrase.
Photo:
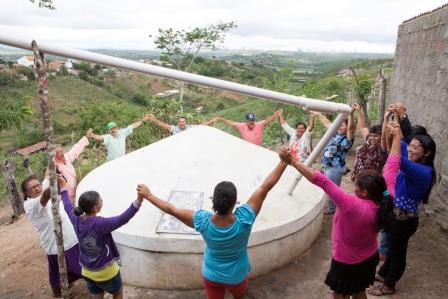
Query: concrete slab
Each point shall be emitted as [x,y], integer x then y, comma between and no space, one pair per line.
[196,160]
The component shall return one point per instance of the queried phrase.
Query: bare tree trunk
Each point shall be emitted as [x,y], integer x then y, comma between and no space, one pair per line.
[16,201]
[42,82]
[382,103]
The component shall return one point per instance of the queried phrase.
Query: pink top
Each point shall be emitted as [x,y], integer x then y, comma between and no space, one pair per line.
[66,167]
[255,135]
[354,234]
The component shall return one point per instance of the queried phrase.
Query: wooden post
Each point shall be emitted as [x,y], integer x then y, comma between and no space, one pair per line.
[42,86]
[16,200]
[382,102]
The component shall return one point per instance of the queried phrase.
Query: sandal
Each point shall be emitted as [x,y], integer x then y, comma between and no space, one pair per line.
[380,291]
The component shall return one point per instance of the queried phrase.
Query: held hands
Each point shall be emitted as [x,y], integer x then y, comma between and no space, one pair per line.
[278,112]
[89,133]
[143,191]
[285,155]
[356,107]
[146,117]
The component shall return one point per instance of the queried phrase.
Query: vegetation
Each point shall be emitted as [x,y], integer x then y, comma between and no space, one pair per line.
[102,95]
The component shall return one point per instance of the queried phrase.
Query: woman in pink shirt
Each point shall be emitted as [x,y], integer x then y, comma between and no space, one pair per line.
[357,221]
[64,163]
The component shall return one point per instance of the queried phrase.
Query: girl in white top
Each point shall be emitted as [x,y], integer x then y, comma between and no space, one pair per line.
[299,138]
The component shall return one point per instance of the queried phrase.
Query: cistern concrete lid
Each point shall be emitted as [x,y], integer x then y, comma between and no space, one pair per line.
[195,161]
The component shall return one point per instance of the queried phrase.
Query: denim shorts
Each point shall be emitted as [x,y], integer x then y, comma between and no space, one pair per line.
[112,286]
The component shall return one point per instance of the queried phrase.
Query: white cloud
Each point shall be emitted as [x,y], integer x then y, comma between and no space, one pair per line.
[284,25]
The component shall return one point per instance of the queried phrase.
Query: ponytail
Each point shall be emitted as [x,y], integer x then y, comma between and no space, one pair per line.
[385,213]
[87,201]
[79,211]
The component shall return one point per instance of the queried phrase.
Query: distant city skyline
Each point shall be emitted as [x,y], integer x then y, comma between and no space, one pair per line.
[346,26]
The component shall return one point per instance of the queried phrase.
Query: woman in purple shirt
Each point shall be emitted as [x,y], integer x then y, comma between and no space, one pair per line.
[98,253]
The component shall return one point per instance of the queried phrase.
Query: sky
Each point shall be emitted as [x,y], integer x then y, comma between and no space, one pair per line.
[332,25]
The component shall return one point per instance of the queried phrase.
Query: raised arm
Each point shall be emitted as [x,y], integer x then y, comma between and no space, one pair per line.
[90,134]
[210,122]
[157,122]
[362,125]
[231,123]
[184,215]
[392,165]
[109,224]
[271,118]
[342,199]
[311,125]
[351,126]
[281,119]
[77,149]
[325,121]
[257,198]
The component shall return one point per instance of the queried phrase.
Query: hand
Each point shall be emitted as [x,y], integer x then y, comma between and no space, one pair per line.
[285,155]
[315,113]
[394,129]
[146,117]
[139,198]
[143,191]
[149,117]
[89,133]
[312,113]
[356,107]
[279,112]
[400,109]
[62,183]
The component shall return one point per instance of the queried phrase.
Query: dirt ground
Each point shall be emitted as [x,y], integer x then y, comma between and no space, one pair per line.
[23,267]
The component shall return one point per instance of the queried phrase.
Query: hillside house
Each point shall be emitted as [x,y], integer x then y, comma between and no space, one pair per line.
[27,61]
[55,65]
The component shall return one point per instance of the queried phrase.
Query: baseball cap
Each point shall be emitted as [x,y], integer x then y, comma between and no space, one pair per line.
[250,117]
[111,125]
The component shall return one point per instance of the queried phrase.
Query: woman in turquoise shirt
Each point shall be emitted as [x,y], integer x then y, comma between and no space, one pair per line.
[226,233]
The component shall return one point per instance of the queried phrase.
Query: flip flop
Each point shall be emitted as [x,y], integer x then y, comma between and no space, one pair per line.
[379,291]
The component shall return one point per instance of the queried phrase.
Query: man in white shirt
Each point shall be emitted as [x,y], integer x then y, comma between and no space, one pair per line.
[115,141]
[37,206]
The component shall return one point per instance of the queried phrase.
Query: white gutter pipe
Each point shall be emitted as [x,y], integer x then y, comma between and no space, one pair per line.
[308,104]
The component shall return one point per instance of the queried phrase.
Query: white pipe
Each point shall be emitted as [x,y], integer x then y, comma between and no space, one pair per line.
[320,146]
[308,104]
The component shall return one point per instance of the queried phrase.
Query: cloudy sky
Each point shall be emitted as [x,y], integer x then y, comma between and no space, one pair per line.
[314,25]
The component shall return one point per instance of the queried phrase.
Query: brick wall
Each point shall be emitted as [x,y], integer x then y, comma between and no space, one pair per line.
[420,80]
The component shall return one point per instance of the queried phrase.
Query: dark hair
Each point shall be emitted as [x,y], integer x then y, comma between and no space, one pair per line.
[376,129]
[24,184]
[300,123]
[180,117]
[373,182]
[224,197]
[419,130]
[86,202]
[428,144]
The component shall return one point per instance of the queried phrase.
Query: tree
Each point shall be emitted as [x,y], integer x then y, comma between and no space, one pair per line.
[45,3]
[181,47]
[42,87]
[363,87]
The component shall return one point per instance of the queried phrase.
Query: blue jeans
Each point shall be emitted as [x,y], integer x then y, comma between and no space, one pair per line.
[382,248]
[335,175]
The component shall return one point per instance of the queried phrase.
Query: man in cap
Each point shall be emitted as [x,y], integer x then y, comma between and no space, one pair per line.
[175,129]
[115,141]
[251,130]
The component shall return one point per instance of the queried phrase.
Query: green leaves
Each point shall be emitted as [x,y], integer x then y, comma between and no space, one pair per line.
[14,112]
[180,47]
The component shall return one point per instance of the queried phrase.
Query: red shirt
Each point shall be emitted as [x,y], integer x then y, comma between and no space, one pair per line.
[255,135]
